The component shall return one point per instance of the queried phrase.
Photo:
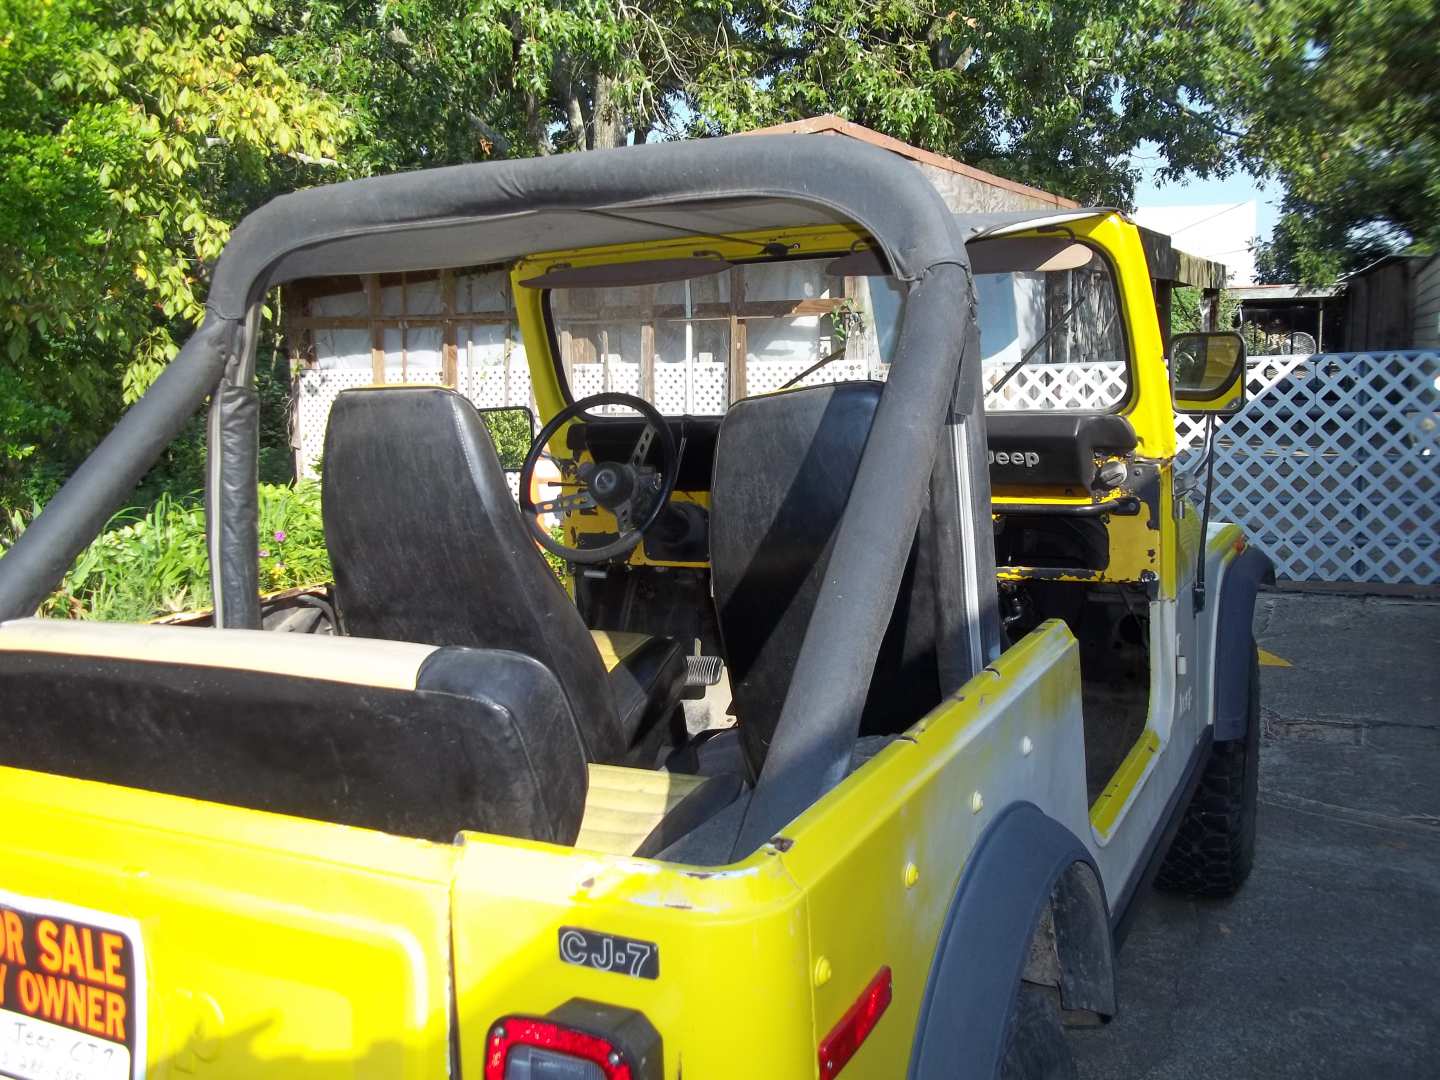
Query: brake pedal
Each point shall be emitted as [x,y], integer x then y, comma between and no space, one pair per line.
[702,671]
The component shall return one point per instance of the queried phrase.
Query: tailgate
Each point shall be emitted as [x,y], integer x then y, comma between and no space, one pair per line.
[147,935]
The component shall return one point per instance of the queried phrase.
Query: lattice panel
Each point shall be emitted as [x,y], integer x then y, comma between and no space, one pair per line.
[763,376]
[486,385]
[697,389]
[316,391]
[1333,467]
[1055,386]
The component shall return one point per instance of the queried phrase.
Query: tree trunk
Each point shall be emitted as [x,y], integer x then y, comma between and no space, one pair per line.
[575,113]
[609,125]
[535,124]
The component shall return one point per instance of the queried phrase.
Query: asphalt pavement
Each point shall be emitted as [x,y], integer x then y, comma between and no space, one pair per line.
[1327,963]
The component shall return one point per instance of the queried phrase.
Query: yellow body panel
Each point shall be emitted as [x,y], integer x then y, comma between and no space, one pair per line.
[1106,810]
[295,947]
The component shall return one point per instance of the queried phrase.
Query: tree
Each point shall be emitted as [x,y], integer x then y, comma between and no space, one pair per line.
[130,140]
[1055,92]
[1351,123]
[436,82]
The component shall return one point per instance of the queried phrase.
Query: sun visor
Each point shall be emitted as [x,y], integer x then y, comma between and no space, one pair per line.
[1027,255]
[867,262]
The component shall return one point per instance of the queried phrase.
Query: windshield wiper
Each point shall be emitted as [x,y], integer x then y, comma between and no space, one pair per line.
[811,369]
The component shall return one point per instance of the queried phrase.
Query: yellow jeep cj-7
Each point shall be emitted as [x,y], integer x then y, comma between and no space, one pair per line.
[853,728]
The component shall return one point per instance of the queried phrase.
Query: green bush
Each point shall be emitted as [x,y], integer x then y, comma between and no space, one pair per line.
[157,563]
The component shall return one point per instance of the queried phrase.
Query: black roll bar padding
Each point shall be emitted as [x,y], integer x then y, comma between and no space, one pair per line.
[37,562]
[820,720]
[232,510]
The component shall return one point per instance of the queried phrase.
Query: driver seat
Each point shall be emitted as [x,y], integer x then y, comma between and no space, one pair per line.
[428,546]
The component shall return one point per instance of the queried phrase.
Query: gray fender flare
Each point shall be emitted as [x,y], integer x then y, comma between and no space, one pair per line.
[1024,864]
[1234,623]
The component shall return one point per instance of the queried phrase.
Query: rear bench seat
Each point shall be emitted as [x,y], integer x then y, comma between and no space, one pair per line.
[409,739]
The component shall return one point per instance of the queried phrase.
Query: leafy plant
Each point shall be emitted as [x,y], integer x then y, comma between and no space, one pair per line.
[292,537]
[156,562]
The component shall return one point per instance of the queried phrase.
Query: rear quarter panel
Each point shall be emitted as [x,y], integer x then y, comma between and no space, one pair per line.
[880,860]
[758,961]
[272,946]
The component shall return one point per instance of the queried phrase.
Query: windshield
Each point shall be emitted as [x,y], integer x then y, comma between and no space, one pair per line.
[697,346]
[1051,339]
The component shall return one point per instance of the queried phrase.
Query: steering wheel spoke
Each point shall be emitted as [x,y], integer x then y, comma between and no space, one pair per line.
[567,503]
[642,446]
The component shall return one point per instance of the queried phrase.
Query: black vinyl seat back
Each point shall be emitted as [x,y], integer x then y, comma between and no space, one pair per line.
[485,740]
[428,545]
[784,466]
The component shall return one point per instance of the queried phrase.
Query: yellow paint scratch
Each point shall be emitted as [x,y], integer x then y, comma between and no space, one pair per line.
[1269,659]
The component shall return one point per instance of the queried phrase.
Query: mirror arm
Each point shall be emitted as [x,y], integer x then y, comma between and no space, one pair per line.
[1198,594]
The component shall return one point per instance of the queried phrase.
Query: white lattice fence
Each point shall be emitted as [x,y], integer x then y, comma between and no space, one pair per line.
[1333,467]
[1100,385]
[489,386]
[315,392]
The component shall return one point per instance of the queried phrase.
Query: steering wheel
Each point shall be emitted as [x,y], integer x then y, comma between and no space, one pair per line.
[633,491]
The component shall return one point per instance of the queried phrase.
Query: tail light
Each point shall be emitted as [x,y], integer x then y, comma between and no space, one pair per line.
[854,1027]
[581,1040]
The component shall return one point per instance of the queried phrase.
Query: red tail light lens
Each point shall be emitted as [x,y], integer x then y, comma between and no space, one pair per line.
[545,1035]
[837,1048]
[580,1040]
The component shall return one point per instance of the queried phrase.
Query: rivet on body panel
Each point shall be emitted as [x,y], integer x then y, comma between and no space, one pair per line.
[822,971]
[912,875]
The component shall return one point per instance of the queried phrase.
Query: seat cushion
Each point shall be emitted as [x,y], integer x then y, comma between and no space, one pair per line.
[647,677]
[642,811]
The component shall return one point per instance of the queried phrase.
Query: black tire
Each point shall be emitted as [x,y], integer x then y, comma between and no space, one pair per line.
[1214,847]
[1035,1045]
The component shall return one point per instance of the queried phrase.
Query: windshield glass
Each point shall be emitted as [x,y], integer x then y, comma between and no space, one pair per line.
[697,346]
[1051,339]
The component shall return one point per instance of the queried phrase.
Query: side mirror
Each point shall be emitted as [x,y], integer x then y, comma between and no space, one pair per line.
[1208,373]
[512,430]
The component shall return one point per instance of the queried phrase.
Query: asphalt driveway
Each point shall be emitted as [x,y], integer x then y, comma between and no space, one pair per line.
[1328,962]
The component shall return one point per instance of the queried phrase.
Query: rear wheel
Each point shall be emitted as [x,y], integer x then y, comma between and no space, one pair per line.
[1215,846]
[1035,1045]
